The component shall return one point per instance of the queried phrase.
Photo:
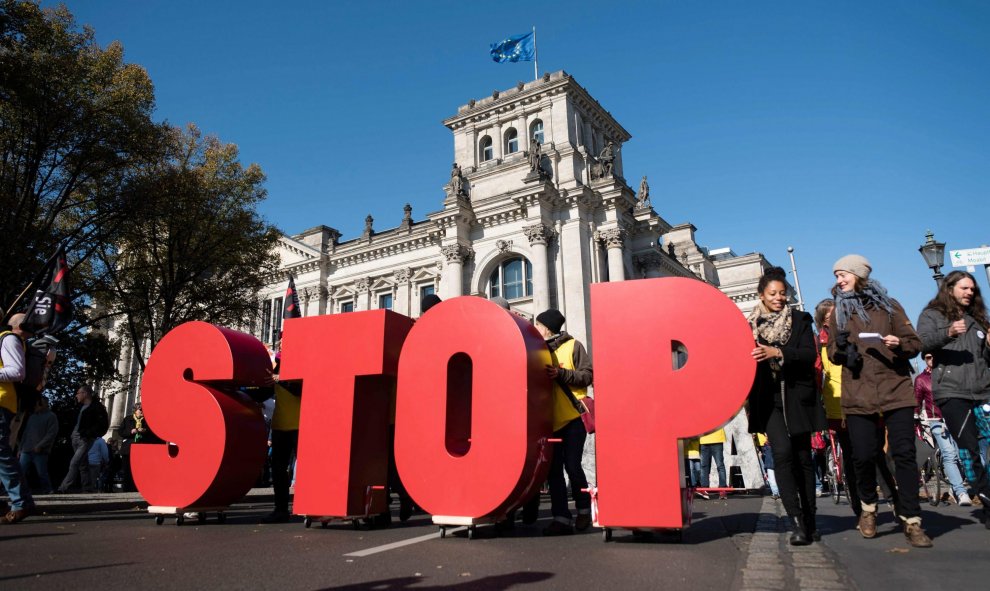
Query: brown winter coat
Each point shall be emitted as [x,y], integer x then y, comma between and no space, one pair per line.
[881,381]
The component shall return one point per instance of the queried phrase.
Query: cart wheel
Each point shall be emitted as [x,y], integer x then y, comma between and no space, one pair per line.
[201,518]
[221,517]
[471,532]
[323,524]
[443,532]
[179,519]
[159,519]
[607,534]
[356,523]
[307,522]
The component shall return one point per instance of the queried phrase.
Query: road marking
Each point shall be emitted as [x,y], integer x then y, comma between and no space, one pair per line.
[400,544]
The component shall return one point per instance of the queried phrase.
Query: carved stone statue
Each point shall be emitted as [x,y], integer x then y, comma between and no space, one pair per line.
[607,159]
[643,199]
[535,155]
[368,229]
[456,181]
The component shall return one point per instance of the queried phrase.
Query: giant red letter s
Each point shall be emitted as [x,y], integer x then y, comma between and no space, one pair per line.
[644,406]
[347,363]
[216,435]
[473,410]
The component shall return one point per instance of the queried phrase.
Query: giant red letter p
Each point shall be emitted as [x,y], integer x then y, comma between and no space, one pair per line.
[644,406]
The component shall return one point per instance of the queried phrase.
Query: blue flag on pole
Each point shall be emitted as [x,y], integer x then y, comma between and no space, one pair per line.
[517,48]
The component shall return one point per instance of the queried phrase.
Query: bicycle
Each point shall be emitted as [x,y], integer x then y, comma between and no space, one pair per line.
[833,466]
[930,468]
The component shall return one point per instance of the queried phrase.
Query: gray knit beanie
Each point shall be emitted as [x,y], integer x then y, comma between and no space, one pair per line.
[855,264]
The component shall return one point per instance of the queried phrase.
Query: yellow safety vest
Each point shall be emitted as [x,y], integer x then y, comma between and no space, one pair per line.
[8,391]
[286,415]
[563,411]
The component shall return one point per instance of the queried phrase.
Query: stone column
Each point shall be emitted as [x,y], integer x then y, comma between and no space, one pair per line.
[119,409]
[539,235]
[361,298]
[403,294]
[613,239]
[455,255]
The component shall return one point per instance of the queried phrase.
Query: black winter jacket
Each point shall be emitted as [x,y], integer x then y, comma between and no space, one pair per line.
[801,402]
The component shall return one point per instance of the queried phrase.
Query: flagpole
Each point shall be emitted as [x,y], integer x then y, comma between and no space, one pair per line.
[536,57]
[36,279]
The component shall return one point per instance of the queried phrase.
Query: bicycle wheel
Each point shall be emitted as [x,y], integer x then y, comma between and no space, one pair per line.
[938,474]
[833,478]
[929,479]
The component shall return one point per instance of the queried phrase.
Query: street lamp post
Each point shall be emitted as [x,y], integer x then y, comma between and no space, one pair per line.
[934,255]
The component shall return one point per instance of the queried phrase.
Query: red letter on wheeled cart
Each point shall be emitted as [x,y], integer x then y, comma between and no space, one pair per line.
[216,435]
[644,406]
[347,363]
[473,411]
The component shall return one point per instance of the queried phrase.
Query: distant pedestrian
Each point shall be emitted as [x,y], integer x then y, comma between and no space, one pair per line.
[930,415]
[99,463]
[91,422]
[874,342]
[712,448]
[37,439]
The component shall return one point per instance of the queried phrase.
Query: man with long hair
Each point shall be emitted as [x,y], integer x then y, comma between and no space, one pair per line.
[954,328]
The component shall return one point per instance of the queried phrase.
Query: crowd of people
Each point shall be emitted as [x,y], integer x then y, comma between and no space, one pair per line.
[846,372]
[863,392]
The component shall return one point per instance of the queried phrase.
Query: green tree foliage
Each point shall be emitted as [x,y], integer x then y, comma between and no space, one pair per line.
[196,248]
[75,121]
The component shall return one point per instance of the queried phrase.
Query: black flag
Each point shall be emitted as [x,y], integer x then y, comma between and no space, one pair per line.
[51,308]
[290,306]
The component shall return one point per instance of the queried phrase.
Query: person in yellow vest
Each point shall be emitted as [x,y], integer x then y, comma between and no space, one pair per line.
[692,458]
[12,372]
[284,441]
[713,447]
[766,456]
[572,374]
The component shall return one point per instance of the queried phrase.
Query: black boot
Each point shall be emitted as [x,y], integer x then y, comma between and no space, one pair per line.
[798,536]
[811,528]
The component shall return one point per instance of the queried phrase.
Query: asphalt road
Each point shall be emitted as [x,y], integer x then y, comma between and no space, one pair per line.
[125,549]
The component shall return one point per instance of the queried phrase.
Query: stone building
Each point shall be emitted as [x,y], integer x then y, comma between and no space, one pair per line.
[535,209]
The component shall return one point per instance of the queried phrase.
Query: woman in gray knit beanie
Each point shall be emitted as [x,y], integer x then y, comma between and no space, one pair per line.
[874,342]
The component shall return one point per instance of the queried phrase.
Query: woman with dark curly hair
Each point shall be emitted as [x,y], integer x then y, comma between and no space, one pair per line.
[954,328]
[874,342]
[784,401]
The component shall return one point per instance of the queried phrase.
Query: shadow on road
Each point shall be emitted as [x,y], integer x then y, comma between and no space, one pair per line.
[493,583]
[64,570]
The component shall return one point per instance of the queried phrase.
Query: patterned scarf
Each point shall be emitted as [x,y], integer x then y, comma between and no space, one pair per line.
[772,327]
[848,303]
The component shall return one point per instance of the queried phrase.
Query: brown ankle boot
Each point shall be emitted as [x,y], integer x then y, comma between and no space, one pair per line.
[916,536]
[868,524]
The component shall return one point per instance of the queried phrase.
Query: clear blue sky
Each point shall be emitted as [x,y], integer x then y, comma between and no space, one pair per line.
[835,127]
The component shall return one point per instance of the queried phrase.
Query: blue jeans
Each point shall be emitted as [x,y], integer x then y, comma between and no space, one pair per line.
[40,463]
[950,456]
[10,470]
[709,451]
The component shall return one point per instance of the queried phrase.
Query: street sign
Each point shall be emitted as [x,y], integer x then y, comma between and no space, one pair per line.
[970,256]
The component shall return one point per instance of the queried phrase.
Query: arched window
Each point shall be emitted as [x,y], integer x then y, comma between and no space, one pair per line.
[485,149]
[536,130]
[511,141]
[513,279]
